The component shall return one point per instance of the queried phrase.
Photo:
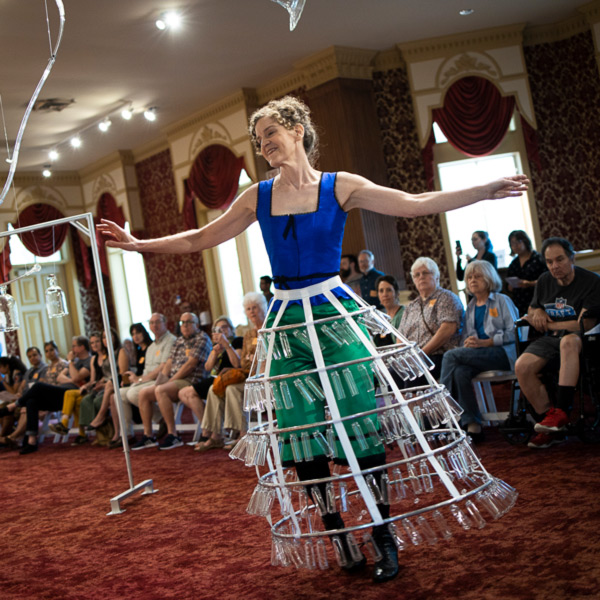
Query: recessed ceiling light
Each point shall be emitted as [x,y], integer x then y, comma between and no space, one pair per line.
[466,11]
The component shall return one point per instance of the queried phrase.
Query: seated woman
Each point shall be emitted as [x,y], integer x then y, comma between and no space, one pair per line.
[434,319]
[93,413]
[524,270]
[226,410]
[488,342]
[387,290]
[30,376]
[141,340]
[12,370]
[223,357]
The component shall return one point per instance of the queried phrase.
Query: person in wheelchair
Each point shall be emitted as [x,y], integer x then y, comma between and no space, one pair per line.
[561,296]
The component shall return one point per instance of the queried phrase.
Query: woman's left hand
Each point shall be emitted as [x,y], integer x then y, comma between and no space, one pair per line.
[507,187]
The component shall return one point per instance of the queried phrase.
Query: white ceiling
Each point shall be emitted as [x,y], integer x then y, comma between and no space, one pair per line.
[113,54]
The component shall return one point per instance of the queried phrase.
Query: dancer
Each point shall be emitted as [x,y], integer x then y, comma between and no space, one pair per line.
[302,214]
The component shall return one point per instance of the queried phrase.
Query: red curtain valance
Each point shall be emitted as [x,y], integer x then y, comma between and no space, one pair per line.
[5,264]
[214,176]
[475,116]
[189,210]
[47,240]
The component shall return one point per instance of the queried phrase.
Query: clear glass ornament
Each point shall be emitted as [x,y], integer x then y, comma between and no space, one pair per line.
[56,302]
[9,315]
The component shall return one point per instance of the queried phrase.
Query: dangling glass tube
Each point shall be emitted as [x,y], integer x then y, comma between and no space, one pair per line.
[9,316]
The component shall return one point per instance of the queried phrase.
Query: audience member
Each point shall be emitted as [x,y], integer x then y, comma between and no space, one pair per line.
[43,396]
[434,319]
[524,270]
[349,272]
[12,370]
[488,342]
[387,291]
[368,289]
[184,367]
[155,359]
[31,376]
[225,409]
[265,287]
[183,307]
[482,243]
[560,297]
[223,357]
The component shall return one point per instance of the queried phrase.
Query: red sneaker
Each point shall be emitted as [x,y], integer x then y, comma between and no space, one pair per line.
[545,440]
[555,420]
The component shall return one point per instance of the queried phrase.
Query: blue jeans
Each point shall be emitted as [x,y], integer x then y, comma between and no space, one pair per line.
[460,365]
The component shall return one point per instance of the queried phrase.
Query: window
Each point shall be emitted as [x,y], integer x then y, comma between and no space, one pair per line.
[241,263]
[497,217]
[128,275]
[19,255]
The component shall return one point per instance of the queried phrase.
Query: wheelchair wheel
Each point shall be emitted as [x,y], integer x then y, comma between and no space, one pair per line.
[516,430]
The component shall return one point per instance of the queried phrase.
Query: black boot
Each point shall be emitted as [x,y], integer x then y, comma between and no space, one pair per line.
[386,568]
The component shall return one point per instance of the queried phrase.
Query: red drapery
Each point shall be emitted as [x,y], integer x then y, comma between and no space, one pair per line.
[189,210]
[531,144]
[107,209]
[214,176]
[475,116]
[5,264]
[47,240]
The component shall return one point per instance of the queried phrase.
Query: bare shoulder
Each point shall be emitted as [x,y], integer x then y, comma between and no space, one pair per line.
[248,198]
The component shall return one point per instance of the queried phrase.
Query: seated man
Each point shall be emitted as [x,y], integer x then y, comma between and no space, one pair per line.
[42,396]
[184,367]
[155,359]
[560,296]
[370,275]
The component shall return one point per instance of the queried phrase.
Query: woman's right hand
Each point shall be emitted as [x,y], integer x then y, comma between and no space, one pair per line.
[116,236]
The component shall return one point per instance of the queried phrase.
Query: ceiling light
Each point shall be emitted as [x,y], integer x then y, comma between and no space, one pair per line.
[53,155]
[127,113]
[47,172]
[168,20]
[76,142]
[104,125]
[466,11]
[150,114]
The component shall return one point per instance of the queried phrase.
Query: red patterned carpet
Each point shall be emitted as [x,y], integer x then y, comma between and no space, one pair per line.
[193,539]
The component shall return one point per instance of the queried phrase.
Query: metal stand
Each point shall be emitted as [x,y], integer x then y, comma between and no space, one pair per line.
[88,228]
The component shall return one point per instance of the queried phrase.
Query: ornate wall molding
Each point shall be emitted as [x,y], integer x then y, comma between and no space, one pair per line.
[434,65]
[214,133]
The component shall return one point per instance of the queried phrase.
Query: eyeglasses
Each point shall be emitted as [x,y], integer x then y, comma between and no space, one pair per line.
[187,323]
[421,274]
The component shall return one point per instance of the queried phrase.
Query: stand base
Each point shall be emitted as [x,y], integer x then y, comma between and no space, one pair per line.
[115,503]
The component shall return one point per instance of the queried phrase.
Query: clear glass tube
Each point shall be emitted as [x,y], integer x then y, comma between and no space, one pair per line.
[56,301]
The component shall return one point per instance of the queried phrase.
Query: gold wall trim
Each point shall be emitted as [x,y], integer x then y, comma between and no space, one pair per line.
[509,35]
[59,178]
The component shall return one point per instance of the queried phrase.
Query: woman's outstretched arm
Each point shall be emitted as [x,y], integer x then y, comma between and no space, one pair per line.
[240,215]
[354,191]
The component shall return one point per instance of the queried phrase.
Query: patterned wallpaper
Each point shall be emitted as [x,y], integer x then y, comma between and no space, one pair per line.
[565,85]
[421,236]
[168,275]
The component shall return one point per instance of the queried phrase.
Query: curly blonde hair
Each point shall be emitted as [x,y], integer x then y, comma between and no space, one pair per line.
[288,111]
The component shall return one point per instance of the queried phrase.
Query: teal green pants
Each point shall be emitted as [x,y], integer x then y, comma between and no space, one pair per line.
[352,387]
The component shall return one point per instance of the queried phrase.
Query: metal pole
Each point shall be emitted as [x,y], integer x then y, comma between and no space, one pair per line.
[90,231]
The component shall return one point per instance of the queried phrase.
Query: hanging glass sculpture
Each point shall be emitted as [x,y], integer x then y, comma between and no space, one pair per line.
[294,7]
[56,303]
[9,316]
